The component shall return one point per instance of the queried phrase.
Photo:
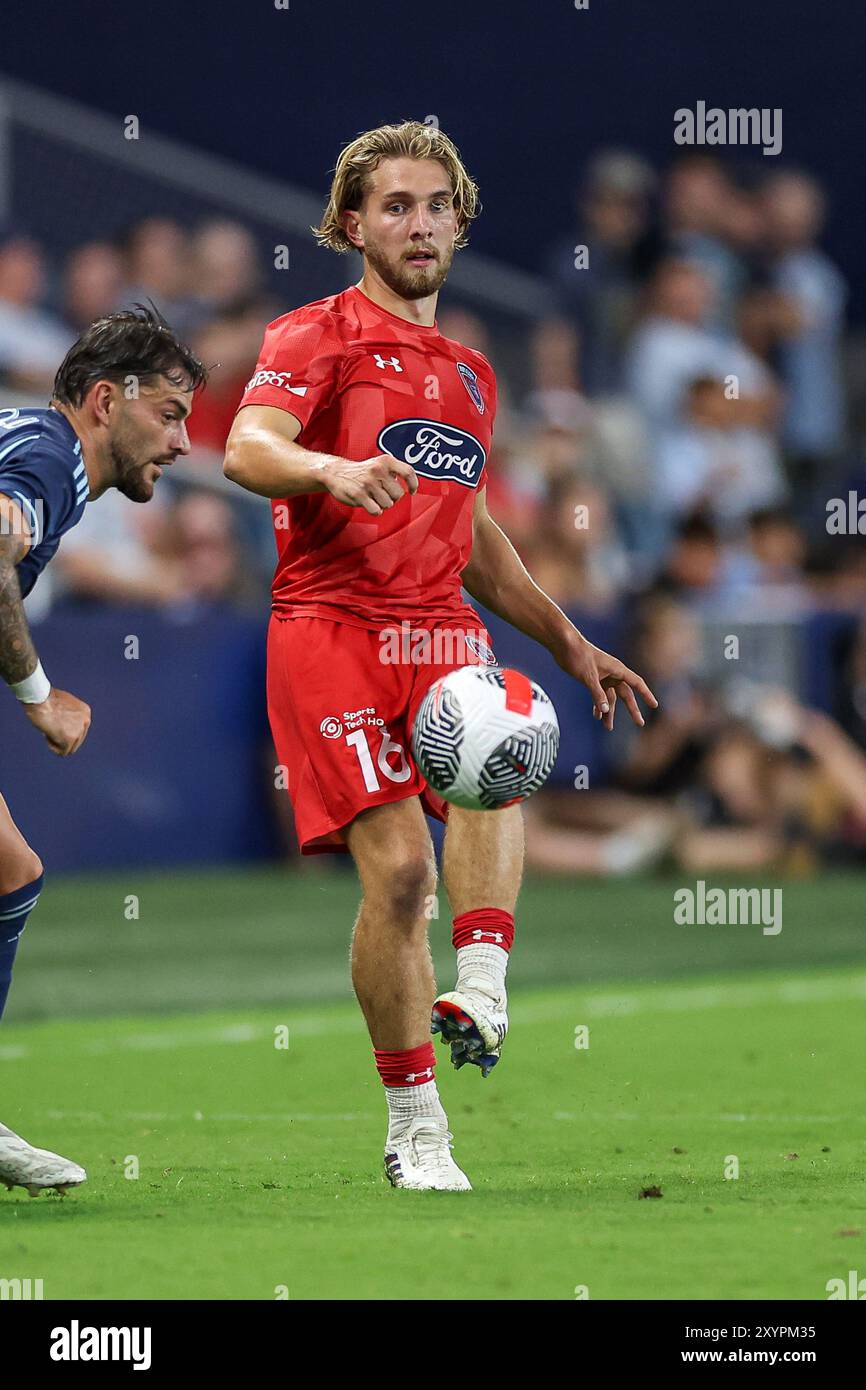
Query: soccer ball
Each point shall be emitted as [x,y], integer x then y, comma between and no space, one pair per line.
[485,737]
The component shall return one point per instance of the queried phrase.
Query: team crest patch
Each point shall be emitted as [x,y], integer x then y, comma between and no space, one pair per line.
[470,381]
[479,647]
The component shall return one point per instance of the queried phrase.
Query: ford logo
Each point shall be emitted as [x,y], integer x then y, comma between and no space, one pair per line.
[435,450]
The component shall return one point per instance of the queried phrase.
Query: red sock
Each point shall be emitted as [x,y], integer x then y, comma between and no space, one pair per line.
[410,1067]
[490,926]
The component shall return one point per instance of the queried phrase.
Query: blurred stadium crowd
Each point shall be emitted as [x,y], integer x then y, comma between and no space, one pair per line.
[665,454]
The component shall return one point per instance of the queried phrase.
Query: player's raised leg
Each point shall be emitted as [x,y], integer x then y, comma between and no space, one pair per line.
[482,867]
[21,880]
[392,973]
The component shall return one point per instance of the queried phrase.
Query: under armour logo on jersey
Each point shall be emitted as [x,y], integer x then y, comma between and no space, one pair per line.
[495,935]
[383,362]
[417,1075]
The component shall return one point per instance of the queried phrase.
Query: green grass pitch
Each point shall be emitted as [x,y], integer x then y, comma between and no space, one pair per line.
[148,1046]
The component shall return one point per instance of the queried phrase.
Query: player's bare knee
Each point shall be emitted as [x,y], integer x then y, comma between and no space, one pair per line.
[407,885]
[19,868]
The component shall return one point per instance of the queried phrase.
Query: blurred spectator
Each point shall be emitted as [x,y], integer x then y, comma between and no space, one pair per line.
[778,544]
[229,345]
[92,284]
[723,781]
[600,295]
[671,347]
[157,266]
[545,455]
[556,399]
[120,552]
[209,554]
[462,326]
[715,460]
[784,788]
[701,209]
[671,351]
[744,229]
[580,561]
[513,498]
[851,701]
[814,293]
[703,572]
[835,571]
[181,550]
[757,322]
[234,311]
[225,267]
[32,342]
[628,828]
[602,834]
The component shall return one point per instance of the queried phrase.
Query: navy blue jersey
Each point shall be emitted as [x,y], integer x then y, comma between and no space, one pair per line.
[41,469]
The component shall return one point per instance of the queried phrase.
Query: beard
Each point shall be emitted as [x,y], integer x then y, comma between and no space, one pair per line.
[410,282]
[129,472]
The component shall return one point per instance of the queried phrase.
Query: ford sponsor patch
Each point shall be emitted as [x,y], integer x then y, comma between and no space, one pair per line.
[435,450]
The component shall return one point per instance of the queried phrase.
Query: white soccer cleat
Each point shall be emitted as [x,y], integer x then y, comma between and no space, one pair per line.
[419,1158]
[474,1023]
[36,1169]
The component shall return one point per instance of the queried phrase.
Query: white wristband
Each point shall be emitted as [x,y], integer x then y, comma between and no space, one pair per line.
[34,689]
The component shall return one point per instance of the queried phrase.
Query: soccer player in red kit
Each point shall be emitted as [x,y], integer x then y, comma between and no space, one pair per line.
[371,433]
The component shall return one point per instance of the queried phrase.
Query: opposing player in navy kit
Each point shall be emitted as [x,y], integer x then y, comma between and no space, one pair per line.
[116,419]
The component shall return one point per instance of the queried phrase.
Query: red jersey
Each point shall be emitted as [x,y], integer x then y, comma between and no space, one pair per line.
[364,382]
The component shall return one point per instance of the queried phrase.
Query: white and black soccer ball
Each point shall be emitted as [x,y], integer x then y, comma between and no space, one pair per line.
[485,737]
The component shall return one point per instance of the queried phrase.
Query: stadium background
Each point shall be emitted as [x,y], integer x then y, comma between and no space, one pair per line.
[174,883]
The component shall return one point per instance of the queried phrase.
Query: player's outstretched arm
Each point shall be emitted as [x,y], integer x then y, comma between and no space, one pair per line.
[62,718]
[497,577]
[262,456]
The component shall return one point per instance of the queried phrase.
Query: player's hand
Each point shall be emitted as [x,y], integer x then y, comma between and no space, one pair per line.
[606,678]
[374,484]
[63,719]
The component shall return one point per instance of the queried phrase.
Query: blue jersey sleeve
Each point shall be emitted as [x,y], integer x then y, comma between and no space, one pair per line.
[45,489]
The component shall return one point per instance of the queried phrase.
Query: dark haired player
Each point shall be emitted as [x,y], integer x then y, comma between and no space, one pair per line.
[116,419]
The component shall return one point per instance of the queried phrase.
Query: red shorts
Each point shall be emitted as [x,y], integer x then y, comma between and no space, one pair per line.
[341,702]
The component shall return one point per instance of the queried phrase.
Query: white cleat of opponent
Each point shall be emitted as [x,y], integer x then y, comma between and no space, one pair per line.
[419,1157]
[474,1022]
[36,1169]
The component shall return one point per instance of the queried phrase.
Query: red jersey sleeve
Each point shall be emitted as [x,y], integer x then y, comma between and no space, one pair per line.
[494,403]
[298,367]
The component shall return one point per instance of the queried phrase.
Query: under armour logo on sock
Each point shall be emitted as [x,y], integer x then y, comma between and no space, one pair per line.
[494,935]
[418,1075]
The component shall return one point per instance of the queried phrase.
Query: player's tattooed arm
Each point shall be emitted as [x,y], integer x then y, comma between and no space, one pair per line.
[61,718]
[18,657]
[497,578]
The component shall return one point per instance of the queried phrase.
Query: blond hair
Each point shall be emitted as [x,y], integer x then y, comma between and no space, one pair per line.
[358,161]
